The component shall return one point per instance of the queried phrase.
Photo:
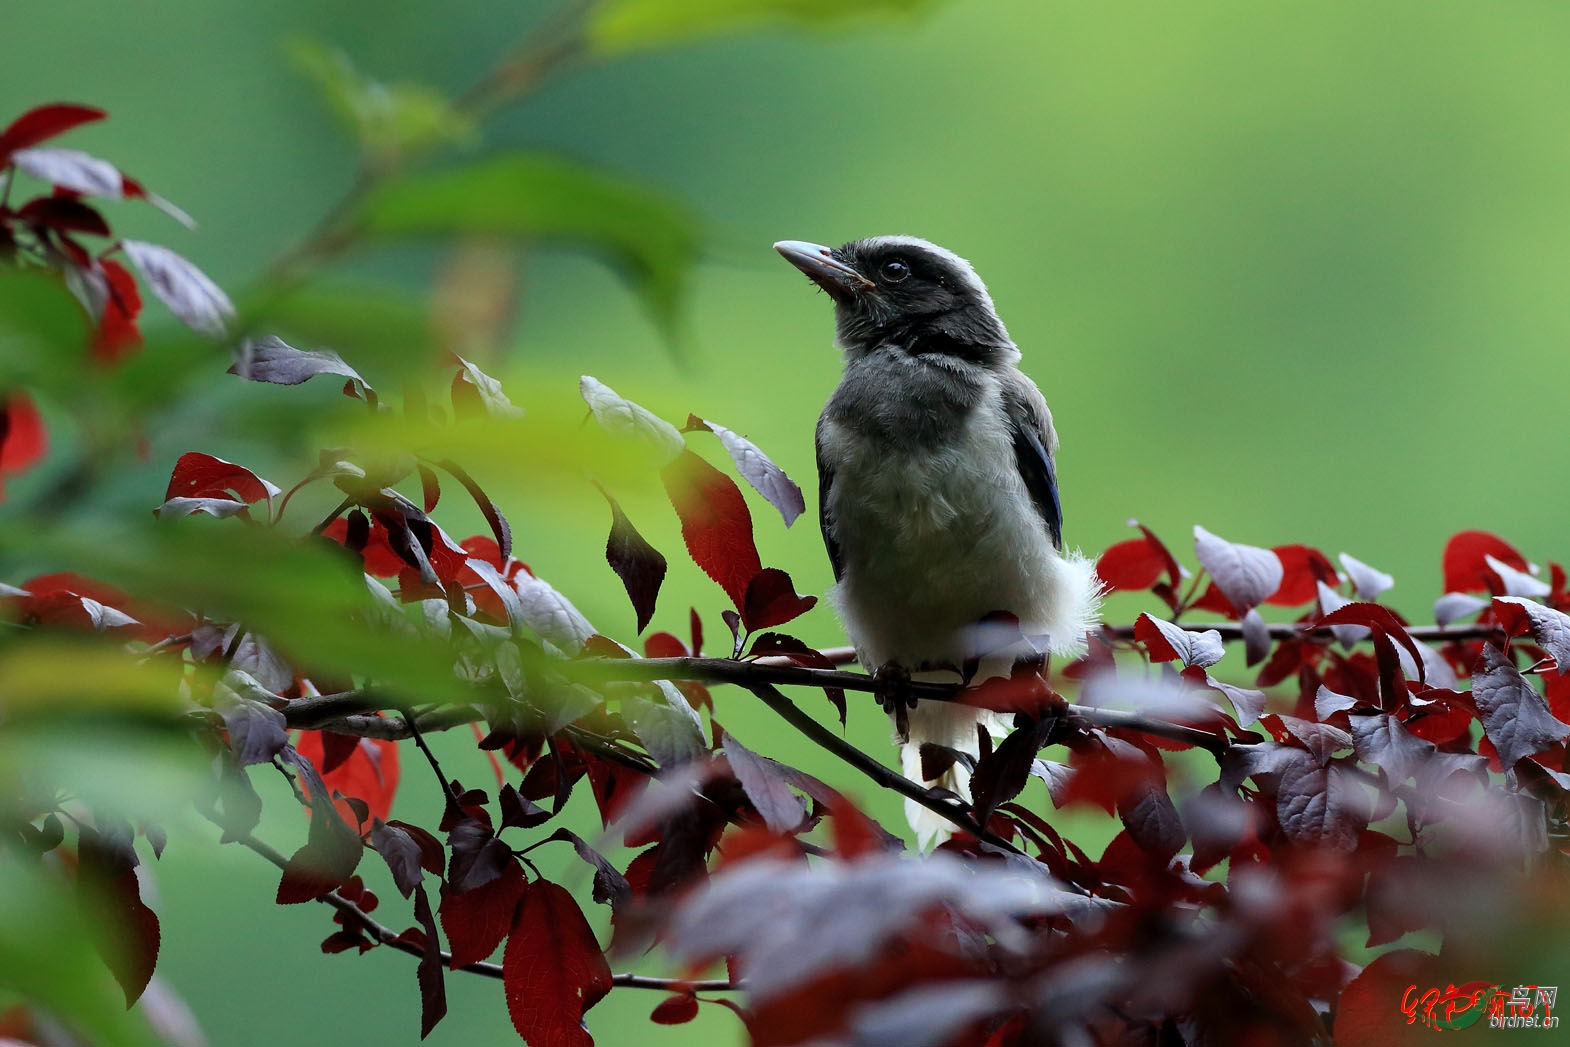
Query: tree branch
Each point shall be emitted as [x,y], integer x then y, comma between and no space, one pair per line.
[387,936]
[875,769]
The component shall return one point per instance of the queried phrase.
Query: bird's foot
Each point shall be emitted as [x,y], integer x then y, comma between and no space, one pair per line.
[894,696]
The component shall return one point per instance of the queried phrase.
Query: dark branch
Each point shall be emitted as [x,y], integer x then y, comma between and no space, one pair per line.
[387,936]
[878,772]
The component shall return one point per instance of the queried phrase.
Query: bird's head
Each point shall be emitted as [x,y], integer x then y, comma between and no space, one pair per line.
[906,293]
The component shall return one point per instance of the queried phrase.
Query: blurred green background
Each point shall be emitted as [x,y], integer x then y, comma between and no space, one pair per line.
[1295,272]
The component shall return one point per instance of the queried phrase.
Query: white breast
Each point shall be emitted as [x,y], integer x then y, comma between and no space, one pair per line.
[932,541]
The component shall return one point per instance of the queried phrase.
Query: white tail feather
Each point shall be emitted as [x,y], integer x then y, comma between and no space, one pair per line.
[1073,613]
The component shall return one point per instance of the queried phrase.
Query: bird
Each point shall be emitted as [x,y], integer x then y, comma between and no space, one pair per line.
[937,486]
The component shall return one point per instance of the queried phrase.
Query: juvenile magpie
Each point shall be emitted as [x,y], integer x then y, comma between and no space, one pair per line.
[938,495]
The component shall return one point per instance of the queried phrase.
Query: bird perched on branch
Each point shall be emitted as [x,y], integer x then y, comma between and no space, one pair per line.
[938,495]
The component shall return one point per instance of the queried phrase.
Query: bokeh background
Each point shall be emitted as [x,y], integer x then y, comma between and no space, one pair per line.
[1295,272]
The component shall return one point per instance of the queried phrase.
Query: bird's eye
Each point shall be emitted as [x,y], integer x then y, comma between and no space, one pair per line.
[895,271]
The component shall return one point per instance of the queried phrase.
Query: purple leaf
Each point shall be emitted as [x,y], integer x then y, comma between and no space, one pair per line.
[621,417]
[1514,715]
[1167,641]
[1327,703]
[929,1015]
[518,811]
[1517,583]
[1550,628]
[610,886]
[1321,806]
[1382,741]
[1256,638]
[638,564]
[175,508]
[1368,582]
[1322,739]
[402,854]
[433,988]
[758,469]
[257,732]
[1247,703]
[782,812]
[551,615]
[1347,636]
[788,922]
[271,359]
[477,394]
[198,302]
[1245,574]
[72,169]
[1152,822]
[1452,607]
[478,857]
[500,529]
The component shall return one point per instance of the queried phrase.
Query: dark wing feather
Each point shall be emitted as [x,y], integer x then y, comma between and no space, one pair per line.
[826,521]
[1035,465]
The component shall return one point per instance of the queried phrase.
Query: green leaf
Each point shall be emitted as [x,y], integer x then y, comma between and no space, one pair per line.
[47,957]
[390,120]
[306,596]
[631,25]
[643,233]
[43,331]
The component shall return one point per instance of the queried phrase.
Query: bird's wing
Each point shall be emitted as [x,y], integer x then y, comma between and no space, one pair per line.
[1030,424]
[825,519]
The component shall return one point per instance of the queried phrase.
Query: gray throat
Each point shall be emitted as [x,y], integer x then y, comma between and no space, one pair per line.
[897,400]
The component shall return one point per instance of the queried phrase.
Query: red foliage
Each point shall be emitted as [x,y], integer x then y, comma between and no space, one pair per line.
[1466,565]
[365,769]
[23,441]
[553,969]
[44,122]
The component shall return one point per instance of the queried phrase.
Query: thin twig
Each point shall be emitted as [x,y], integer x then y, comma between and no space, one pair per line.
[874,769]
[453,806]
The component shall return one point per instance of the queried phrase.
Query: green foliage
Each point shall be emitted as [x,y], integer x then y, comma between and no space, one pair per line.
[649,237]
[47,955]
[631,25]
[389,120]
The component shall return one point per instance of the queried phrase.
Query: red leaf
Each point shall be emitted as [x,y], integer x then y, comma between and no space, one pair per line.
[1137,563]
[476,921]
[1302,566]
[715,523]
[663,645]
[65,213]
[117,333]
[676,1009]
[23,440]
[1465,561]
[553,970]
[771,600]
[1370,1015]
[332,851]
[379,559]
[44,122]
[198,475]
[369,773]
